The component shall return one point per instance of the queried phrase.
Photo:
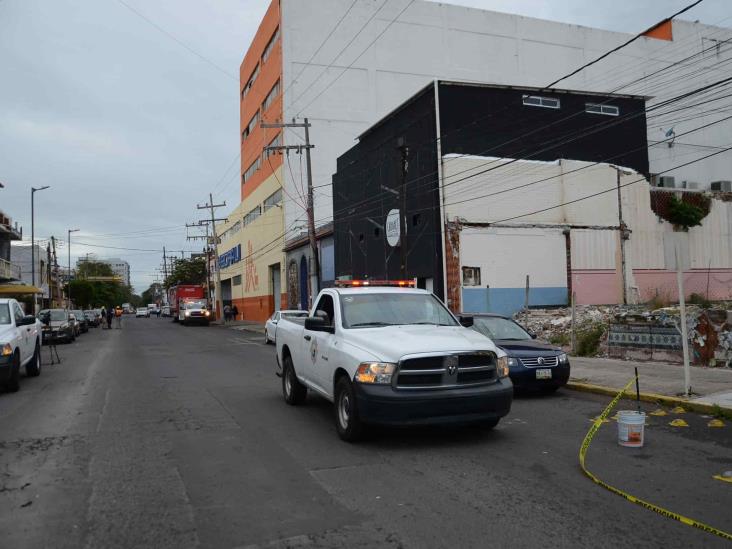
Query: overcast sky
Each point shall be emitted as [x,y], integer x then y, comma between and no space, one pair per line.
[132,129]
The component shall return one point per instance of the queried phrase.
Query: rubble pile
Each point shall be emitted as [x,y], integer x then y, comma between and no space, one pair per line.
[709,330]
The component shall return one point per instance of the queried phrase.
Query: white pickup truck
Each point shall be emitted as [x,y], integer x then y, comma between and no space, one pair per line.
[20,344]
[386,355]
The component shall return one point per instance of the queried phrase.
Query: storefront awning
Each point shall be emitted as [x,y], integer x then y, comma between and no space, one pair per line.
[18,289]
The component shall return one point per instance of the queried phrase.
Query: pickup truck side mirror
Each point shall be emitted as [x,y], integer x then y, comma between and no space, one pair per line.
[27,320]
[318,324]
[466,321]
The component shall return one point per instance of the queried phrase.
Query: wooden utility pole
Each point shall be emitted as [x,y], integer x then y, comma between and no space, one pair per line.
[207,251]
[310,210]
[211,207]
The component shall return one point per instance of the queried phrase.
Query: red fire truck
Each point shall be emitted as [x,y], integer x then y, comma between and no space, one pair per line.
[183,292]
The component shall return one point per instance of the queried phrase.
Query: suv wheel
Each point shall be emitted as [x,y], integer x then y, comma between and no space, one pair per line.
[293,391]
[349,425]
[33,368]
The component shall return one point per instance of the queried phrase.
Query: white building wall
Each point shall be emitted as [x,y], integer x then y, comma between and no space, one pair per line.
[433,40]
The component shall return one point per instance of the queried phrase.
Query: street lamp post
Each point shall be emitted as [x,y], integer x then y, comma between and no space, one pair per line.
[33,244]
[68,284]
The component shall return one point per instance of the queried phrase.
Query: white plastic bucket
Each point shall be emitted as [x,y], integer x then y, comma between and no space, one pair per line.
[631,428]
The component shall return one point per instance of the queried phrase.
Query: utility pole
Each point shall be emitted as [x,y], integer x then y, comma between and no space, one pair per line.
[165,264]
[311,203]
[55,270]
[206,251]
[68,284]
[33,244]
[211,206]
[401,145]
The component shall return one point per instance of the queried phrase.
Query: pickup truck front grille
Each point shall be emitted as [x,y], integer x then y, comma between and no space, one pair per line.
[446,371]
[539,361]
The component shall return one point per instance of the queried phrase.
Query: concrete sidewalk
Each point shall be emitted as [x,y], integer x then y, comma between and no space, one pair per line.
[709,385]
[247,325]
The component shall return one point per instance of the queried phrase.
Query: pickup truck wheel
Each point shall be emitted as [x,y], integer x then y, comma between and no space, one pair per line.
[293,391]
[13,383]
[349,425]
[33,368]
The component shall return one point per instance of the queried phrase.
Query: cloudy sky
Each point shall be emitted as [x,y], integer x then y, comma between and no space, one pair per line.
[132,118]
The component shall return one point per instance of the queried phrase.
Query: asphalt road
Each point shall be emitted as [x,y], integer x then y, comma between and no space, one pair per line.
[163,436]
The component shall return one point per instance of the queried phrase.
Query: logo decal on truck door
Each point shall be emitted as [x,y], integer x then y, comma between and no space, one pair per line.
[314,350]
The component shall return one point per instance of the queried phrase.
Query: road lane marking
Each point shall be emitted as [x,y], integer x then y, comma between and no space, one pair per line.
[650,506]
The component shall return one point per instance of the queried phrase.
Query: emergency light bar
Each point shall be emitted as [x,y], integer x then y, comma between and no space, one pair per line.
[393,283]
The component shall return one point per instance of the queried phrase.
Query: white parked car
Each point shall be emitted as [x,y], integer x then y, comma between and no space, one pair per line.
[20,344]
[270,327]
[142,312]
[387,355]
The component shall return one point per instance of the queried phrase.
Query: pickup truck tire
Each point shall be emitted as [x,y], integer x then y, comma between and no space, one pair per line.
[33,368]
[13,383]
[348,424]
[293,391]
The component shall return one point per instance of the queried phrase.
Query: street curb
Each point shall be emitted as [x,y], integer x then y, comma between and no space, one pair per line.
[648,397]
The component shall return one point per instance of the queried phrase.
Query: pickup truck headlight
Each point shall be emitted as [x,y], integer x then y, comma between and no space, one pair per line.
[207,313]
[188,313]
[6,350]
[563,358]
[502,366]
[375,372]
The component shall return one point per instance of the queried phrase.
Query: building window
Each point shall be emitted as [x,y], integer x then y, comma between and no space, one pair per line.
[250,127]
[236,281]
[251,170]
[271,96]
[250,82]
[273,199]
[270,45]
[276,142]
[538,101]
[471,276]
[252,216]
[598,108]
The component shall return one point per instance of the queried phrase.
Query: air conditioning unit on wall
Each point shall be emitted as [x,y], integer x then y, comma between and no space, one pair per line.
[667,182]
[725,186]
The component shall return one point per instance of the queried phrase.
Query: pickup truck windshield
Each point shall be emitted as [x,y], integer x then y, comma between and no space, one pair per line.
[388,309]
[4,314]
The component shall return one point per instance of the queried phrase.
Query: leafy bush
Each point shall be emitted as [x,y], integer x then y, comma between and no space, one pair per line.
[698,299]
[588,339]
[560,339]
[685,215]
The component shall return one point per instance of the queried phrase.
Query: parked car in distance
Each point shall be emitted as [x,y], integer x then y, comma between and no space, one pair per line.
[391,355]
[142,312]
[166,311]
[20,344]
[270,327]
[60,327]
[532,364]
[193,311]
[92,317]
[81,319]
[74,323]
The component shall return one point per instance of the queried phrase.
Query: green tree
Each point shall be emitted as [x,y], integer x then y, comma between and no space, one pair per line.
[153,294]
[85,269]
[187,271]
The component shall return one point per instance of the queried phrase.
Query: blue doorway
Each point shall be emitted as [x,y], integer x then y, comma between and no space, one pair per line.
[304,284]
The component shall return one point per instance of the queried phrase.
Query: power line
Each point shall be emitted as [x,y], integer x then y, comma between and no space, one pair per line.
[177,41]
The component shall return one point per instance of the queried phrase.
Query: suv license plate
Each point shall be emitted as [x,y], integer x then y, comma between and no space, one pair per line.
[544,373]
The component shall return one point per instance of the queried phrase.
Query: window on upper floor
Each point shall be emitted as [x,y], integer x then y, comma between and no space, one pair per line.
[601,108]
[270,45]
[250,127]
[271,96]
[250,82]
[252,215]
[273,199]
[276,142]
[538,101]
[471,276]
[251,170]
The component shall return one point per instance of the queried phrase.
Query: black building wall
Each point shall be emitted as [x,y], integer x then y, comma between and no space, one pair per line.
[490,121]
[361,203]
[475,120]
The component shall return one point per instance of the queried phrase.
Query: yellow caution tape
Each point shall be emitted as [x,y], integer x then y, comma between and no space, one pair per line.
[660,510]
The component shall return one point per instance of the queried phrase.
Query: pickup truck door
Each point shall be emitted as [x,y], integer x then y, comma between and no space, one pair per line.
[320,371]
[24,333]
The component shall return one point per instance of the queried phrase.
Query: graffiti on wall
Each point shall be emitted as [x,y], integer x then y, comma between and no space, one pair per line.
[250,270]
[293,294]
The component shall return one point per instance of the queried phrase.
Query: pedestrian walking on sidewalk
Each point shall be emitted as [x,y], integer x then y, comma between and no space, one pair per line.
[227,313]
[103,314]
[110,314]
[235,312]
[118,317]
